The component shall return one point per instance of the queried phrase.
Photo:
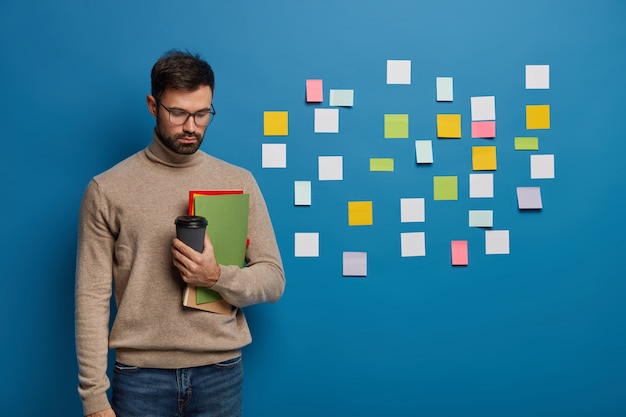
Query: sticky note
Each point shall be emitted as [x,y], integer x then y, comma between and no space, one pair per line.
[445,89]
[412,244]
[412,210]
[360,213]
[449,126]
[326,121]
[330,168]
[355,264]
[526,144]
[446,187]
[302,193]
[306,244]
[396,126]
[485,130]
[529,198]
[459,252]
[483,108]
[481,218]
[314,91]
[424,151]
[274,155]
[275,123]
[481,186]
[497,242]
[398,71]
[537,77]
[541,166]
[344,98]
[538,116]
[484,158]
[381,164]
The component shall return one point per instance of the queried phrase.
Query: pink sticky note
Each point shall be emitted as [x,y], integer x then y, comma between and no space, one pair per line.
[484,129]
[314,91]
[459,252]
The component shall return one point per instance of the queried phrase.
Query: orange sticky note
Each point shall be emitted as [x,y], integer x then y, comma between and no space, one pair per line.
[459,252]
[449,126]
[314,91]
[538,116]
[275,123]
[360,213]
[484,158]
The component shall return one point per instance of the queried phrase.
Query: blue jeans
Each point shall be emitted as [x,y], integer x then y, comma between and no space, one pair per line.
[205,391]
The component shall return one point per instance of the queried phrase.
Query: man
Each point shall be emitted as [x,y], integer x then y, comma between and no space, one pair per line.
[170,360]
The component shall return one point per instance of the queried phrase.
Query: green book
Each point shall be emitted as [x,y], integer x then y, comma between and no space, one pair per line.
[227,227]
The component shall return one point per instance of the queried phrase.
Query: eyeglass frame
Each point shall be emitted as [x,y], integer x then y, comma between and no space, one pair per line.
[211,111]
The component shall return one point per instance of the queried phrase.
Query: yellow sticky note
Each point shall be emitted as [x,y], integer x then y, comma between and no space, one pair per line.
[449,126]
[446,187]
[484,158]
[396,126]
[275,123]
[381,164]
[538,116]
[360,213]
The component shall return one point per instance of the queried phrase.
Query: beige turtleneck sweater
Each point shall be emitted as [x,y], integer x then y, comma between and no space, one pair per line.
[126,228]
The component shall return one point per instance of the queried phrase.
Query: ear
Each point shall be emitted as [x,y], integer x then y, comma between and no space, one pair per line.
[152,104]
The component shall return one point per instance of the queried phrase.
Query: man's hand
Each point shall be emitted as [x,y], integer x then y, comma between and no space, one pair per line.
[105,413]
[198,269]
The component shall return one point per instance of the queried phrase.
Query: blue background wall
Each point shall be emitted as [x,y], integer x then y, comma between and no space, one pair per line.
[538,332]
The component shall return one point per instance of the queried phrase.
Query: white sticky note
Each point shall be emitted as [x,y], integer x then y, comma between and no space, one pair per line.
[541,166]
[330,168]
[344,98]
[481,186]
[483,108]
[424,151]
[537,77]
[307,244]
[413,244]
[326,121]
[302,193]
[445,89]
[412,210]
[529,198]
[481,218]
[274,155]
[355,264]
[497,242]
[398,71]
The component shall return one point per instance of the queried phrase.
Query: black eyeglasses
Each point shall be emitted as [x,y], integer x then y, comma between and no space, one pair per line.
[179,117]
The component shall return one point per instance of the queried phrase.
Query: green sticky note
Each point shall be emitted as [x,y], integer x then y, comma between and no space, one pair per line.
[481,218]
[396,126]
[381,164]
[446,187]
[526,144]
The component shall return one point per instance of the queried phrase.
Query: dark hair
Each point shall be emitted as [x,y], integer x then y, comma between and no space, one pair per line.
[181,71]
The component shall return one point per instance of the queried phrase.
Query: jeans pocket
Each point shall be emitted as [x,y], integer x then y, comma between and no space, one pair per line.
[122,369]
[230,363]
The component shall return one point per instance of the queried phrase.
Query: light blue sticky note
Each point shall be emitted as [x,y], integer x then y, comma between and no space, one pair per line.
[424,151]
[444,89]
[302,193]
[343,98]
[481,218]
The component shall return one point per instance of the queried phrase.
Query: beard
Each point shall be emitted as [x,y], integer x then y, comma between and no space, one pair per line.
[172,141]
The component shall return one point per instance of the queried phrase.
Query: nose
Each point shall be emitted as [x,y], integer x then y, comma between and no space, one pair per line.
[189,125]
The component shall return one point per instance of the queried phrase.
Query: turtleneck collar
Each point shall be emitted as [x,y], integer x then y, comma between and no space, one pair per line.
[158,152]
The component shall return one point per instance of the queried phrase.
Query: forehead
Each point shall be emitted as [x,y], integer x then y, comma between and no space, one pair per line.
[197,99]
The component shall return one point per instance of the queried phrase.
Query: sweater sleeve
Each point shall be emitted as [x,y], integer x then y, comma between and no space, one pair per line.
[93,291]
[262,279]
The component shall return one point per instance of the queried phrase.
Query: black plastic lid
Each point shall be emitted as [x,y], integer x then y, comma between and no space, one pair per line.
[191,222]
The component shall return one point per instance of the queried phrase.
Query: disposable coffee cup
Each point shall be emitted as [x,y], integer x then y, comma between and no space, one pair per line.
[191,230]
